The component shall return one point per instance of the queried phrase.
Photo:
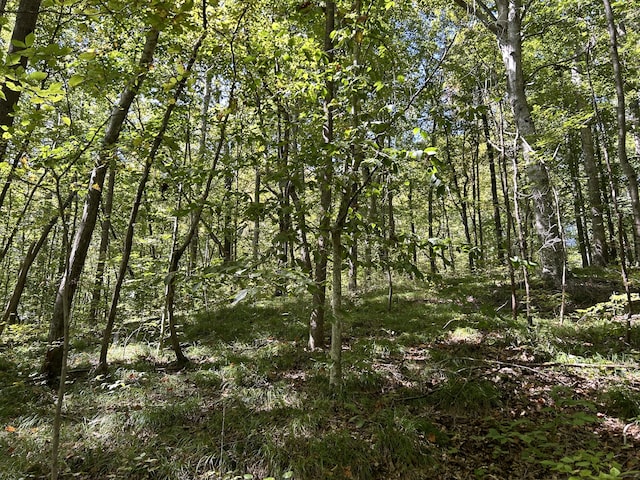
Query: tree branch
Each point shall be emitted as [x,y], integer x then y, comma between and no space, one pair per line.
[485,15]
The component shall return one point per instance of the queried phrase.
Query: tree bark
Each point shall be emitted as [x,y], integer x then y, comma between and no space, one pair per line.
[634,106]
[69,283]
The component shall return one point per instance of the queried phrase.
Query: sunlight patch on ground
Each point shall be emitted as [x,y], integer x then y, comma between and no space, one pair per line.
[464,335]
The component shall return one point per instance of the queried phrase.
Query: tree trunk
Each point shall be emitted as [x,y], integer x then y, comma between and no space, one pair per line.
[316,320]
[412,226]
[53,361]
[432,252]
[506,25]
[255,243]
[578,205]
[391,242]
[302,228]
[477,217]
[510,42]
[177,253]
[335,374]
[521,239]
[11,310]
[634,106]
[627,168]
[497,221]
[462,203]
[600,254]
[26,19]
[98,282]
[227,238]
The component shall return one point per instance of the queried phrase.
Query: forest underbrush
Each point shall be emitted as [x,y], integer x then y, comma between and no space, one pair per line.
[445,384]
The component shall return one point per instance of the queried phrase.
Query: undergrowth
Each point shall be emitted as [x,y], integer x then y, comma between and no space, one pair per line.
[446,385]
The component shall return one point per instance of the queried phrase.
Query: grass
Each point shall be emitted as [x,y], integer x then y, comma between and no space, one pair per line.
[446,385]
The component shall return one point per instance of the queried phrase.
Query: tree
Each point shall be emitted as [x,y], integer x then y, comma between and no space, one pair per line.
[506,24]
[69,283]
[627,168]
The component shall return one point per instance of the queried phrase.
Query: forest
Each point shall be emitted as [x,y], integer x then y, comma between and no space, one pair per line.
[326,239]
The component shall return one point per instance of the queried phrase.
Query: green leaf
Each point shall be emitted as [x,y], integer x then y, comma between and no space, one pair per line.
[88,55]
[431,151]
[37,76]
[29,39]
[76,80]
[13,86]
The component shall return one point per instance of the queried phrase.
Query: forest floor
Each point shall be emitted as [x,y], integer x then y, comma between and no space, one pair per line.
[445,385]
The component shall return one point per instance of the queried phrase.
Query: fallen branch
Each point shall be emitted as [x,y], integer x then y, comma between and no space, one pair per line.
[533,366]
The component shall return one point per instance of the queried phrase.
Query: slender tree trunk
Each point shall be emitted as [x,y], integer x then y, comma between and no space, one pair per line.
[227,238]
[371,214]
[462,203]
[412,225]
[627,168]
[521,241]
[447,229]
[98,282]
[11,310]
[316,321]
[356,148]
[634,106]
[80,247]
[353,263]
[178,252]
[504,180]
[477,217]
[255,244]
[432,253]
[578,205]
[335,373]
[600,254]
[26,19]
[302,228]
[57,419]
[391,243]
[497,220]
